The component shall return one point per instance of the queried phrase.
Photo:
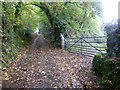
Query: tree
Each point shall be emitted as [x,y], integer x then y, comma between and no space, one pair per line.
[113,40]
[63,16]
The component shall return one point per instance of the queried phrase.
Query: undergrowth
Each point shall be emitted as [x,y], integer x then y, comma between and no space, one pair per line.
[108,71]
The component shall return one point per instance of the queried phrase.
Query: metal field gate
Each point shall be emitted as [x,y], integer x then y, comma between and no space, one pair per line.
[87,46]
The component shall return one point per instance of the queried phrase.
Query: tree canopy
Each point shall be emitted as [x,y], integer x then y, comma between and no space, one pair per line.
[21,19]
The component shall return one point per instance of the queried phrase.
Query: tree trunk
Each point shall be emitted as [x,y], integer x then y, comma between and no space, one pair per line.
[17,15]
[56,30]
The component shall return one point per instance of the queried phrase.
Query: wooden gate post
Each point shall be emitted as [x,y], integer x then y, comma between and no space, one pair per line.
[62,41]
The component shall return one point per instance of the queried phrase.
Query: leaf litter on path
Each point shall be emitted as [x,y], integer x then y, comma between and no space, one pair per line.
[51,68]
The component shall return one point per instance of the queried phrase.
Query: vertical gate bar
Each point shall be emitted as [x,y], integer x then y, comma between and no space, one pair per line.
[81,45]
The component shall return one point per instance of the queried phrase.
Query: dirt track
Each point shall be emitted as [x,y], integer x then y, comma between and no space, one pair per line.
[53,68]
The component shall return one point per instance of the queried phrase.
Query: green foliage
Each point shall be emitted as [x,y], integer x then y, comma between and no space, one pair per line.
[113,40]
[25,35]
[11,49]
[20,19]
[15,33]
[107,66]
[100,64]
[108,71]
[82,17]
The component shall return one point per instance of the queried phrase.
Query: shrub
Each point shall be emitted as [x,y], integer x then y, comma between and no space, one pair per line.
[108,71]
[13,46]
